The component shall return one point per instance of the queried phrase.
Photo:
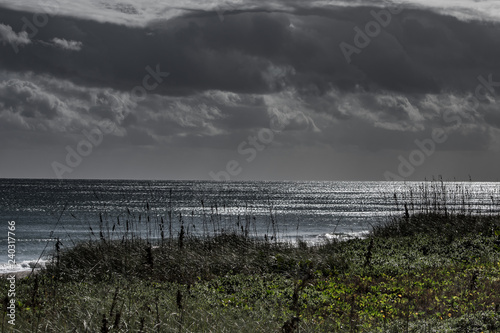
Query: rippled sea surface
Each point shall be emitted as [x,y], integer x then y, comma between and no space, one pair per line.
[77,210]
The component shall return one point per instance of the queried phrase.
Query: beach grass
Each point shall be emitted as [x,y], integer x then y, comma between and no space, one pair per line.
[434,267]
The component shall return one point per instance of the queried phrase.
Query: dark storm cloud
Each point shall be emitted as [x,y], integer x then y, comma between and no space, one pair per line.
[228,80]
[261,52]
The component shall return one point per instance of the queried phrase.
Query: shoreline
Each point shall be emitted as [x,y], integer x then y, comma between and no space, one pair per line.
[20,274]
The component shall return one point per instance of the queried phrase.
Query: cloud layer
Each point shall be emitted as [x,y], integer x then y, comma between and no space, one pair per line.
[233,71]
[140,14]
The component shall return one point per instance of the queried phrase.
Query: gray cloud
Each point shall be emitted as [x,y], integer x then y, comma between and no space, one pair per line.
[9,36]
[230,79]
[70,45]
[257,52]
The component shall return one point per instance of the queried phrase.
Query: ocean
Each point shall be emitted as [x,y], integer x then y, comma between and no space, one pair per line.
[72,211]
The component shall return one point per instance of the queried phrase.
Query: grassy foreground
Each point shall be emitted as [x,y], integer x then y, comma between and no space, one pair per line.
[426,271]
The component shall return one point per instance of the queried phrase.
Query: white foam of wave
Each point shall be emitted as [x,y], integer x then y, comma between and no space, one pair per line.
[26,265]
[342,235]
[315,239]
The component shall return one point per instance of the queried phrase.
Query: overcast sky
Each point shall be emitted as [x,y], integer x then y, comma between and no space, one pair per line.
[316,90]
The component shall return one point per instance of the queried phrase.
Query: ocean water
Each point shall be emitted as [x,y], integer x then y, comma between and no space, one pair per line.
[78,210]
